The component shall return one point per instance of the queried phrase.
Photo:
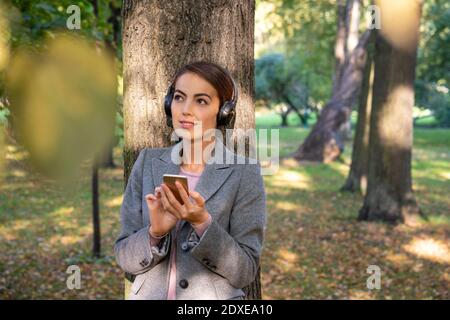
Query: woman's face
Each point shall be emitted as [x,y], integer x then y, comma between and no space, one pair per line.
[195,105]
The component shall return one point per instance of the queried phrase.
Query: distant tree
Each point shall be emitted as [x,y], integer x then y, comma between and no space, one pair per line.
[279,82]
[433,61]
[110,43]
[325,142]
[305,32]
[357,176]
[389,194]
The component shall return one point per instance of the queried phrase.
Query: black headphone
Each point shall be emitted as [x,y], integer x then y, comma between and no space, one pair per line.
[225,116]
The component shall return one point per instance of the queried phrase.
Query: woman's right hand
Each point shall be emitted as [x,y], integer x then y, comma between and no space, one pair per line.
[162,221]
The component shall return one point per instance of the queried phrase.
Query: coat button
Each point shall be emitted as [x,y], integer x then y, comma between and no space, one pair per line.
[184,283]
[184,246]
[144,262]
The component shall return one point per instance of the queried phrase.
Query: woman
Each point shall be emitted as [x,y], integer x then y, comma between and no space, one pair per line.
[209,247]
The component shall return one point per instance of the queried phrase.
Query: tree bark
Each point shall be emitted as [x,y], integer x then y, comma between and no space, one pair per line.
[357,177]
[339,46]
[161,36]
[347,36]
[284,116]
[352,15]
[325,141]
[389,195]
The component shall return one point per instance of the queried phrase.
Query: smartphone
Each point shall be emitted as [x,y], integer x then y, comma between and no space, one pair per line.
[169,180]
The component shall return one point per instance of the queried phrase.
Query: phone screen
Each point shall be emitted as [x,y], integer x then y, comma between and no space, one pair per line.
[169,180]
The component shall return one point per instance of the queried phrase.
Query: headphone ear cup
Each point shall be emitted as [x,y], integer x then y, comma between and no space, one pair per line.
[168,104]
[226,114]
[168,108]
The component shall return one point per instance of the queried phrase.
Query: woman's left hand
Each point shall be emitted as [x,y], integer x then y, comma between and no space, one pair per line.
[193,212]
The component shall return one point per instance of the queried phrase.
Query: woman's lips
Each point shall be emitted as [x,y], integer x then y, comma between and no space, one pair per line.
[186,124]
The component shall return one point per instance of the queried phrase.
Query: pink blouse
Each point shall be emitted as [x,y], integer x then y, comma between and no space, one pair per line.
[199,229]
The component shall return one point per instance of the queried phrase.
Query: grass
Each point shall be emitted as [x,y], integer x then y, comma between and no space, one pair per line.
[267,118]
[324,252]
[314,247]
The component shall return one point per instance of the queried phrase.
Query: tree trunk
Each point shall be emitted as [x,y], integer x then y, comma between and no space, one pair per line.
[339,46]
[353,13]
[347,36]
[357,177]
[389,194]
[325,141]
[161,36]
[284,116]
[96,248]
[351,26]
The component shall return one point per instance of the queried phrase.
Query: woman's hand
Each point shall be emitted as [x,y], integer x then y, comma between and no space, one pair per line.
[162,221]
[193,212]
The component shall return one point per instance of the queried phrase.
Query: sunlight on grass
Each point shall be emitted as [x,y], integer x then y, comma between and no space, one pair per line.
[360,295]
[65,240]
[399,259]
[287,259]
[18,173]
[7,234]
[10,231]
[430,249]
[445,175]
[114,202]
[14,153]
[446,277]
[290,179]
[286,206]
[62,212]
[342,168]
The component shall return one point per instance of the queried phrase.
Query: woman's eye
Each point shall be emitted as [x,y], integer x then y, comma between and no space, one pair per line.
[178,98]
[202,101]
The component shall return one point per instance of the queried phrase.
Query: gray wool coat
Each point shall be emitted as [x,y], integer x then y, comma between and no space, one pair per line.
[217,265]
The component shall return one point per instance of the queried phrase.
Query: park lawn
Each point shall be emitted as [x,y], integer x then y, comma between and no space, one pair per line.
[314,247]
[268,118]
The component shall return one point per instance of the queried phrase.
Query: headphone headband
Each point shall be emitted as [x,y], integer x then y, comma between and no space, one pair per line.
[234,97]
[235,93]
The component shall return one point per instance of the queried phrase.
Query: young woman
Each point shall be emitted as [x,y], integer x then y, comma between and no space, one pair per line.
[210,246]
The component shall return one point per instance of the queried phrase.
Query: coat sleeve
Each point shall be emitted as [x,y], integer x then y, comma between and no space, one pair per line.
[133,251]
[235,255]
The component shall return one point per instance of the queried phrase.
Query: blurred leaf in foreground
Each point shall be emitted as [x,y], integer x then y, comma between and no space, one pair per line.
[62,104]
[4,58]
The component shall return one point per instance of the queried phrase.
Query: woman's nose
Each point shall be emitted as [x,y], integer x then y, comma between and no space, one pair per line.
[187,107]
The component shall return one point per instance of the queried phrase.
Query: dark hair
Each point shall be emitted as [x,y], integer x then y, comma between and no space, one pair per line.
[216,75]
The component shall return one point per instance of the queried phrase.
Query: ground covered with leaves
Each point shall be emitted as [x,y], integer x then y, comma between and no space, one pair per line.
[314,246]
